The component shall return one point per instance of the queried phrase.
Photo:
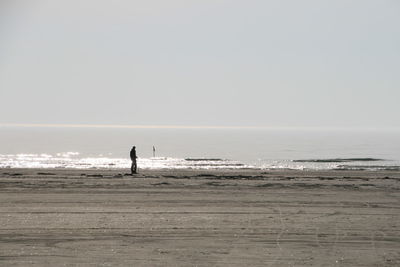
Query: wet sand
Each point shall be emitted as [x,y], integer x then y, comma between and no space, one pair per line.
[199,218]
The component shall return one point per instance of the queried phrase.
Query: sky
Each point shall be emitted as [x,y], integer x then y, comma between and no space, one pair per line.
[283,63]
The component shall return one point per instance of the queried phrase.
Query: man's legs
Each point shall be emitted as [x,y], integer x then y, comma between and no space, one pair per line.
[134,167]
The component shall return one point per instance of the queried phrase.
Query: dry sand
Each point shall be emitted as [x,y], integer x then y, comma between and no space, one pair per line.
[199,218]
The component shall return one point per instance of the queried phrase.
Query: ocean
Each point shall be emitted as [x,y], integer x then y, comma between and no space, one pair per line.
[181,148]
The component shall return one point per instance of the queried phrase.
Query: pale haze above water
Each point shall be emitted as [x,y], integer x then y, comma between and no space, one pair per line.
[318,63]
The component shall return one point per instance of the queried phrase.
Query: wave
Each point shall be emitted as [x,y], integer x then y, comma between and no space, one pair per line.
[75,161]
[337,160]
[227,164]
[203,159]
[367,168]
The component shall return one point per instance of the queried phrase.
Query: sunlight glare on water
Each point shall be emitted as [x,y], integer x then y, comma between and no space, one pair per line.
[197,148]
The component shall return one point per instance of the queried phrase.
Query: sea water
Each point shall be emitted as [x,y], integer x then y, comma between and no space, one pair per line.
[177,148]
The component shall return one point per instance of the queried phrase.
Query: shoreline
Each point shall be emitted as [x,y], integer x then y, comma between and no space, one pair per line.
[51,217]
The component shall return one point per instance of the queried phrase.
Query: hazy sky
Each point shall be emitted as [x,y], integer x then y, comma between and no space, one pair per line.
[205,62]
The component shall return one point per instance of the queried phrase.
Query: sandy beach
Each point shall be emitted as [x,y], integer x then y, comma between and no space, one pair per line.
[60,217]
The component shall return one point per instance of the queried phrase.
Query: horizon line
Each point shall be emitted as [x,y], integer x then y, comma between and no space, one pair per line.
[132,126]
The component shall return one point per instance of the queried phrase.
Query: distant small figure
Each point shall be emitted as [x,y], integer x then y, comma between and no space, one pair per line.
[154,152]
[133,158]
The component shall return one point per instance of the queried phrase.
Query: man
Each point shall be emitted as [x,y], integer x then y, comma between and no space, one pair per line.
[133,158]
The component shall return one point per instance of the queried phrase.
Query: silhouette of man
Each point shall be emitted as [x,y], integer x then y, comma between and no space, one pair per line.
[133,158]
